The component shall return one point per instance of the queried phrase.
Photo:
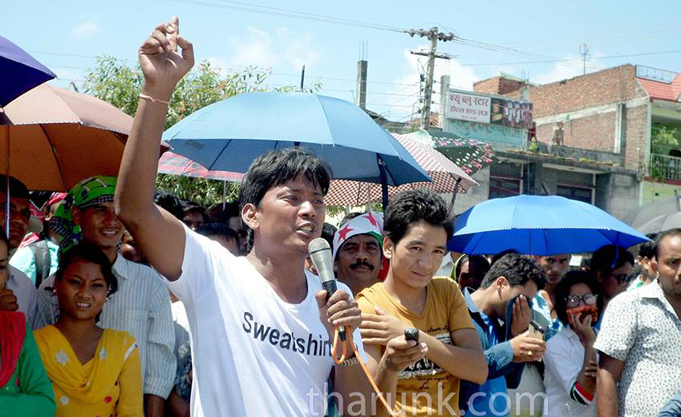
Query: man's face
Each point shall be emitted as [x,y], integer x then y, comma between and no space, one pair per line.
[418,255]
[668,266]
[289,217]
[100,225]
[617,281]
[646,267]
[529,290]
[359,259]
[471,275]
[193,219]
[19,214]
[555,266]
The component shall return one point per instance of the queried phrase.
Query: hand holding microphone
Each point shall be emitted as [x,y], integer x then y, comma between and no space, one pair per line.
[337,309]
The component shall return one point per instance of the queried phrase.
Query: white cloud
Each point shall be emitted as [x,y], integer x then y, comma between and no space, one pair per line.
[281,47]
[408,86]
[85,30]
[568,69]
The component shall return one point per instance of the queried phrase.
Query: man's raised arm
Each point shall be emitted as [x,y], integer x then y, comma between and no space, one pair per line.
[159,234]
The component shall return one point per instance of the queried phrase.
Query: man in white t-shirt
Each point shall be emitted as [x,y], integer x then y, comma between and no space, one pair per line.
[260,324]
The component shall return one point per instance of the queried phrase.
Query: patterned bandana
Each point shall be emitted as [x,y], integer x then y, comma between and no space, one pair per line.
[370,223]
[88,193]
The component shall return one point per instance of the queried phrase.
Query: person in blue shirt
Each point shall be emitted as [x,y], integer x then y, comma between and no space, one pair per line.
[501,312]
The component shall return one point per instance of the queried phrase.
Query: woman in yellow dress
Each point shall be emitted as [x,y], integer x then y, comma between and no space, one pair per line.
[94,371]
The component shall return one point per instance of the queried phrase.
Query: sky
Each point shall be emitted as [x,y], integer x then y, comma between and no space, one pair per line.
[537,40]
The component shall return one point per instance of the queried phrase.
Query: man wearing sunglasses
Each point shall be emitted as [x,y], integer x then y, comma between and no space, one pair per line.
[613,267]
[640,341]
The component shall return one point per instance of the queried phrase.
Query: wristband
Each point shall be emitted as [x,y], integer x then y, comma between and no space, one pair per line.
[153,100]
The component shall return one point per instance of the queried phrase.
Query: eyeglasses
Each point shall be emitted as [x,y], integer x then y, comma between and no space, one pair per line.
[623,279]
[574,300]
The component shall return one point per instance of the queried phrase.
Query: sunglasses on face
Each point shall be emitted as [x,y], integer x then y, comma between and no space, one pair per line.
[574,300]
[623,279]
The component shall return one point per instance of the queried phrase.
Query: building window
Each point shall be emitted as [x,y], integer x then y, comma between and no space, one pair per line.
[503,187]
[576,193]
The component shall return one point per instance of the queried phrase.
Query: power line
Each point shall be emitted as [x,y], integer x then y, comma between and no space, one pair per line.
[274,11]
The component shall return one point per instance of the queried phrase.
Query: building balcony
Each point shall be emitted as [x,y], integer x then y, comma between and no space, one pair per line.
[665,167]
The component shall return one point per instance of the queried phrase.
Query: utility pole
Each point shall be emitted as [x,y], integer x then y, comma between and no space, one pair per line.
[362,67]
[433,35]
[584,52]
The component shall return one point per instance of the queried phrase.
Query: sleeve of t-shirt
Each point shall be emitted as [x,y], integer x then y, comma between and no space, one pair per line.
[198,267]
[459,318]
[618,330]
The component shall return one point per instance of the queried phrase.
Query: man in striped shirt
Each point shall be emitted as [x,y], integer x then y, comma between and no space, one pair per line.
[141,305]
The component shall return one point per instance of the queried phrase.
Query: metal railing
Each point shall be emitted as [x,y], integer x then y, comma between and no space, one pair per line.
[667,167]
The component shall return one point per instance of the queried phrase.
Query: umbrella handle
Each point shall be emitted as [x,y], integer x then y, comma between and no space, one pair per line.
[384,182]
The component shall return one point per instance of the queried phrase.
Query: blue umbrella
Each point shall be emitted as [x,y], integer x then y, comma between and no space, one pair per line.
[538,225]
[230,134]
[20,72]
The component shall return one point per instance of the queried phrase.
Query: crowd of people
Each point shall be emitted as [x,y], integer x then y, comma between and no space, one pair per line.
[132,302]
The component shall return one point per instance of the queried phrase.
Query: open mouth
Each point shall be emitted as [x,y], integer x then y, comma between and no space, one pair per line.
[82,305]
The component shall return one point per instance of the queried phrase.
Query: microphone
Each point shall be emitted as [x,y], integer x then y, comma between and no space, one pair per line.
[320,253]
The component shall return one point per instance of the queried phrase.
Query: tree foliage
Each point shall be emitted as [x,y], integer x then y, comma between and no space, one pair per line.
[118,83]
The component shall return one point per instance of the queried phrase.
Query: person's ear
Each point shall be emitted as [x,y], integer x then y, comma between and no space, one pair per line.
[76,215]
[654,265]
[249,215]
[388,247]
[499,284]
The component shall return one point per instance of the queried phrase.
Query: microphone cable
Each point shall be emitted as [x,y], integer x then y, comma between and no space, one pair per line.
[343,357]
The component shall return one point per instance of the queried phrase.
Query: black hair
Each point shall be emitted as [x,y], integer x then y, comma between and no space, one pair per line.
[585,263]
[500,255]
[660,237]
[563,290]
[608,258]
[472,259]
[217,229]
[222,212]
[517,269]
[328,230]
[170,203]
[350,216]
[412,206]
[276,168]
[90,253]
[17,188]
[647,249]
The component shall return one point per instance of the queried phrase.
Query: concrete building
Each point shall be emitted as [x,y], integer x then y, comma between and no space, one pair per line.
[611,138]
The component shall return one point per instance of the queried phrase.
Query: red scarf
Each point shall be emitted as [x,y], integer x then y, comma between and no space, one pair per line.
[12,333]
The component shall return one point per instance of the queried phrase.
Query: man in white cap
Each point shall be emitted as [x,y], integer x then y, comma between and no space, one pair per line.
[357,251]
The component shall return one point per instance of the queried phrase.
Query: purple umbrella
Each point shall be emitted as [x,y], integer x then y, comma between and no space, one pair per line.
[20,72]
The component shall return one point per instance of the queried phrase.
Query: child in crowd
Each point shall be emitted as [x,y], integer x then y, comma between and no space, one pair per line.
[94,371]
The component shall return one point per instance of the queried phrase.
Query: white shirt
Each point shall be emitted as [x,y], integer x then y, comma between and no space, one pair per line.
[23,288]
[446,266]
[563,361]
[141,306]
[253,354]
[641,329]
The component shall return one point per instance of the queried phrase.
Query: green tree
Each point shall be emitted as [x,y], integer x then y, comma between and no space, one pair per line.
[118,83]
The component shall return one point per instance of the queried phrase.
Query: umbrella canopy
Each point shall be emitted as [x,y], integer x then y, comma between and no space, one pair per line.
[58,137]
[661,224]
[20,72]
[174,164]
[230,134]
[646,213]
[538,225]
[447,178]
